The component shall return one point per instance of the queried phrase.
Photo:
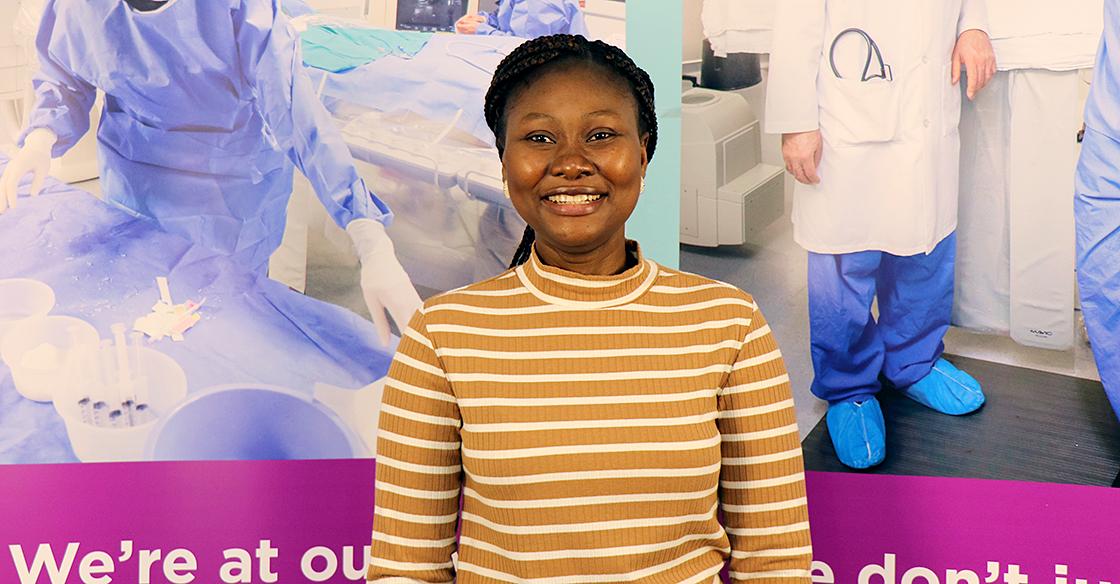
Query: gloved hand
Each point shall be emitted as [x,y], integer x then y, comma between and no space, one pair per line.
[385,285]
[34,158]
[469,24]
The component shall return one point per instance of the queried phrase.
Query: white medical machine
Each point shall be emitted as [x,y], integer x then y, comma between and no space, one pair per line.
[727,192]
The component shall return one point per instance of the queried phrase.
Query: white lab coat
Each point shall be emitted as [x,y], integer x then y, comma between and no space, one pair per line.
[1044,34]
[891,149]
[738,26]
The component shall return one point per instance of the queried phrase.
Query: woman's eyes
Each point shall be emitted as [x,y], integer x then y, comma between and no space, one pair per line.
[594,137]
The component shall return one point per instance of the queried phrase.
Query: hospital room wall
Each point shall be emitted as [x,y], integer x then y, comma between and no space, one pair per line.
[693,31]
[656,222]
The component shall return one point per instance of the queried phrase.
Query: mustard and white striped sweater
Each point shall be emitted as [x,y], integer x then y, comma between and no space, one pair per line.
[594,427]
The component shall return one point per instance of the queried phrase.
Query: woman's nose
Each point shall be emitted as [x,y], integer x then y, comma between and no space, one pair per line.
[572,164]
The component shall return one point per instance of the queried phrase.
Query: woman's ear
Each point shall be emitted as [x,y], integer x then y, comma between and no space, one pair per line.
[645,152]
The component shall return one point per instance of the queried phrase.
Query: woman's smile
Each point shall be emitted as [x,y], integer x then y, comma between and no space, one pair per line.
[573,201]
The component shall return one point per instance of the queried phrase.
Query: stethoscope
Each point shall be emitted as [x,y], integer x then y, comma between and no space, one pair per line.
[873,52]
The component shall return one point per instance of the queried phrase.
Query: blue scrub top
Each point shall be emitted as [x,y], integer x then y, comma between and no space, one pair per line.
[534,18]
[1102,113]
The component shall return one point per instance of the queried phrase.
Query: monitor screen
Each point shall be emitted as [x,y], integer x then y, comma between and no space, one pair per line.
[429,15]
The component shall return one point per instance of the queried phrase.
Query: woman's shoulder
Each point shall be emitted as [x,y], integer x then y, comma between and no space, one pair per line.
[694,287]
[495,291]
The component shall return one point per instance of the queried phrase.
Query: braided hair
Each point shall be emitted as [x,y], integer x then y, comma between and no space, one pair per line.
[532,59]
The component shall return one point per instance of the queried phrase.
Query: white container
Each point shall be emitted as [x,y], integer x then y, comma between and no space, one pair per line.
[37,350]
[165,386]
[252,422]
[22,298]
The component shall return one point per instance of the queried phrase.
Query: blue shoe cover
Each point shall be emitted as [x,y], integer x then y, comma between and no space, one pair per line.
[947,389]
[858,433]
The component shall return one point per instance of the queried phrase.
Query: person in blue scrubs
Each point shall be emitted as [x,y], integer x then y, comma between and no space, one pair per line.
[876,158]
[207,111]
[527,19]
[1097,209]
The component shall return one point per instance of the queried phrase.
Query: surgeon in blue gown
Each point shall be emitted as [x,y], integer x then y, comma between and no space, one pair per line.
[527,19]
[207,110]
[1097,208]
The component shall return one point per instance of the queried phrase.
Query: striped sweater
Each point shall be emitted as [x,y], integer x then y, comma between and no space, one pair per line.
[629,428]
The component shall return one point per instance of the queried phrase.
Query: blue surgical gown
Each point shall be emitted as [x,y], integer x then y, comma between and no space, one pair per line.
[1102,113]
[207,108]
[534,18]
[1097,209]
[294,8]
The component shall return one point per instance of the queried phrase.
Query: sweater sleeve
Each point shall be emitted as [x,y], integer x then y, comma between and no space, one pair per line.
[762,481]
[418,467]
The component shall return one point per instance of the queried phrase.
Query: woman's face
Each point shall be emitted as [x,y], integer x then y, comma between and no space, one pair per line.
[574,160]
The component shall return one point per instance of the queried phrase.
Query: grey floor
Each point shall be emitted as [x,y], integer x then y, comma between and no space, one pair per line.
[1035,426]
[772,267]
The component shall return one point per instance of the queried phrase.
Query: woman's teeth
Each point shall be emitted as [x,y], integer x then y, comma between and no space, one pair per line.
[573,199]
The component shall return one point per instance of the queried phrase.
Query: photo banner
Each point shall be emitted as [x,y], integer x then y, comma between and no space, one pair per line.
[309,521]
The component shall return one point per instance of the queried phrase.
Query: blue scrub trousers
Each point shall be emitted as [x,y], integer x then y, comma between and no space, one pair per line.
[1097,209]
[850,349]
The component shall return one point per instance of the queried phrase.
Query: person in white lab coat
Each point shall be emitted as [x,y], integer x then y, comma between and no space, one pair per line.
[1015,237]
[864,93]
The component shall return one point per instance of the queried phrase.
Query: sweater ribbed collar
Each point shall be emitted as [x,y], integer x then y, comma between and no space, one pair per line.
[562,287]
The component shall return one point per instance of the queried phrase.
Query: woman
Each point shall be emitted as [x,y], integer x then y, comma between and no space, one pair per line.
[527,19]
[594,409]
[207,110]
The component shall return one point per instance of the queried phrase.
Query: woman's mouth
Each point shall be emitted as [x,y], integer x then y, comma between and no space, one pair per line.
[573,204]
[573,199]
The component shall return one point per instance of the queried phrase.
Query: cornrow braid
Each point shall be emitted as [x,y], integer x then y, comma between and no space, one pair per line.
[535,57]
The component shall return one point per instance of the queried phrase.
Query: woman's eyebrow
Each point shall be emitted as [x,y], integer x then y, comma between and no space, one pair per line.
[536,116]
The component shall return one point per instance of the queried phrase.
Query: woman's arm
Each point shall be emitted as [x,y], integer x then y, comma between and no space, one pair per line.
[418,467]
[762,481]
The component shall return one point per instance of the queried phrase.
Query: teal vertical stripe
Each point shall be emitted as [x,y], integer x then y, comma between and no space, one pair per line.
[653,39]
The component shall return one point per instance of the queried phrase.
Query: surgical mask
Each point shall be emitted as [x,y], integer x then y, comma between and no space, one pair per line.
[146,5]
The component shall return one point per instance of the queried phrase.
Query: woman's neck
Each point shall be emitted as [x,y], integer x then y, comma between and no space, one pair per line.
[606,260]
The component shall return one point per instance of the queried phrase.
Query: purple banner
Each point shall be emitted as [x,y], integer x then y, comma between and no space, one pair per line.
[874,529]
[309,521]
[116,517]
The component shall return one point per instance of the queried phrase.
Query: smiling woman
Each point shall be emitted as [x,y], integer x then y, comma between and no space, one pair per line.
[593,410]
[573,160]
